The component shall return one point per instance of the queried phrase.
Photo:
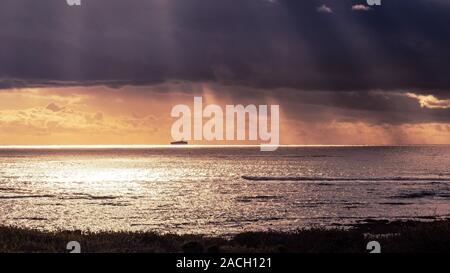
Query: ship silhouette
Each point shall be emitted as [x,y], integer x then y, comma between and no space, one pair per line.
[180,142]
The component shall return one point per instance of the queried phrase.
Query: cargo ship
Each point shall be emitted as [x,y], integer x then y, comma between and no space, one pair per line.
[181,142]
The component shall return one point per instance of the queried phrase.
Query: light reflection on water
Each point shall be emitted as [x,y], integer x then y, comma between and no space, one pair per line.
[202,190]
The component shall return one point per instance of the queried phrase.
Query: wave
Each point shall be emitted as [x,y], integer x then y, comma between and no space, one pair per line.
[422,194]
[259,198]
[364,179]
[86,196]
[26,196]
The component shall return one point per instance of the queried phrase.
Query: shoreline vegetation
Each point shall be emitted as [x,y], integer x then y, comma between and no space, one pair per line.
[394,237]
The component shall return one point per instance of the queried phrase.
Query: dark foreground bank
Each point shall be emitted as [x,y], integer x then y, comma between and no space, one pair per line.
[393,237]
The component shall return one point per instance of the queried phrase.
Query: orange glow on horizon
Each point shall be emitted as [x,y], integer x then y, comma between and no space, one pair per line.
[141,116]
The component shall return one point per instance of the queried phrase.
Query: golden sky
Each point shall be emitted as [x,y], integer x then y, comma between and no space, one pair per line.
[104,115]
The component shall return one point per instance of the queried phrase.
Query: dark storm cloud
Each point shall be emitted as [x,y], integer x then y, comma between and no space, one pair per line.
[267,44]
[374,107]
[361,63]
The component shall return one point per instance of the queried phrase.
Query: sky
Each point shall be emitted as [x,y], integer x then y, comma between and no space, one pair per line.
[109,71]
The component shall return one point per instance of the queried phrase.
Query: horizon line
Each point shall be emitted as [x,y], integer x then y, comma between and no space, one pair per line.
[148,146]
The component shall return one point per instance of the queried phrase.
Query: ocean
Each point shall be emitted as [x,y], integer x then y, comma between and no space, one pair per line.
[220,190]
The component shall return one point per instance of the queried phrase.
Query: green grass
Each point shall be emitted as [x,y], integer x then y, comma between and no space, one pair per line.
[397,237]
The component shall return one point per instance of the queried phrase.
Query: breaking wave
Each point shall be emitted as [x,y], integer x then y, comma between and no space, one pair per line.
[305,178]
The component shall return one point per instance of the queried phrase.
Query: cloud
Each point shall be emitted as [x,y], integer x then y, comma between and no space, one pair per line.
[139,115]
[324,9]
[53,107]
[198,43]
[430,101]
[360,7]
[93,118]
[45,122]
